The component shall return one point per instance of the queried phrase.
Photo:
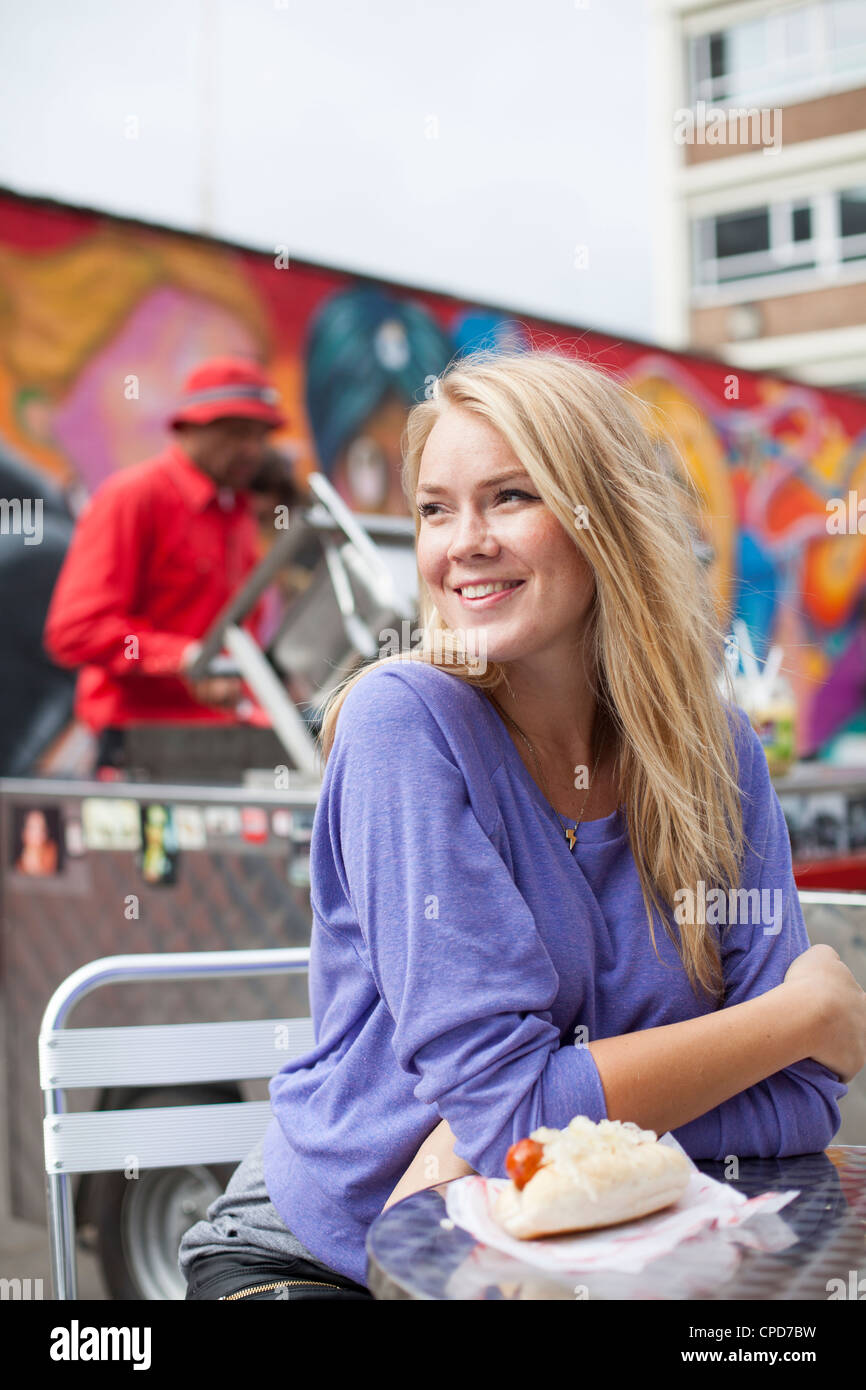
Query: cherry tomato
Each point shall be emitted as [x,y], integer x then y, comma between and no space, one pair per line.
[522,1160]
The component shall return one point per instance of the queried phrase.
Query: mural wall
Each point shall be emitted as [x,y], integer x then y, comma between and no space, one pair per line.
[102,319]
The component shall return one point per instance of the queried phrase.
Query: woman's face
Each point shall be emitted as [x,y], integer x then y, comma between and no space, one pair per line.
[476,531]
[35,830]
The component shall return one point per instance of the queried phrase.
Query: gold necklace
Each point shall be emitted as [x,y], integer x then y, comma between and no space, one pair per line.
[570,834]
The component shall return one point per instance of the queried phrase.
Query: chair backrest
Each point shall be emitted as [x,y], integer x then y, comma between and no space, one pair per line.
[167,1055]
[162,1055]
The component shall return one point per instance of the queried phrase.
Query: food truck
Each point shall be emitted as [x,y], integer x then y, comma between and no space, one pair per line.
[204,842]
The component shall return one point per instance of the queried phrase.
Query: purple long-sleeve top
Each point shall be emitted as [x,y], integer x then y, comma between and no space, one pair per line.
[461,954]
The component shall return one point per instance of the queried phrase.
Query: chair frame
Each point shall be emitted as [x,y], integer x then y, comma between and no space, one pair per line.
[97,1140]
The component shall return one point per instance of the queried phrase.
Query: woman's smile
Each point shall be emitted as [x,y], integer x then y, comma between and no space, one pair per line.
[485,595]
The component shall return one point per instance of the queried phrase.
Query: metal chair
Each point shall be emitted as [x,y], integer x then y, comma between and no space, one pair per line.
[166,1054]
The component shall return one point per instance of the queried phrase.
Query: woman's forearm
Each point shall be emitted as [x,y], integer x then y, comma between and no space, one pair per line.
[434,1162]
[662,1078]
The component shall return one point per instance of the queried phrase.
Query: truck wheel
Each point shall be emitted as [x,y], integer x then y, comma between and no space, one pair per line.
[140,1222]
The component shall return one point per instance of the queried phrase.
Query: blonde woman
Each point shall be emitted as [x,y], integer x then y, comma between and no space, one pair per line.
[552,881]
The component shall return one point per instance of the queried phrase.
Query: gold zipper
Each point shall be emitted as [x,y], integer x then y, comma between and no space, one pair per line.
[280,1284]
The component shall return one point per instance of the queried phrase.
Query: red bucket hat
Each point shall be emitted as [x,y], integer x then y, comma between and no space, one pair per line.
[228,386]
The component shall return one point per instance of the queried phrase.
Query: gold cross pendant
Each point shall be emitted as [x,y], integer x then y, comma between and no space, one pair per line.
[571,837]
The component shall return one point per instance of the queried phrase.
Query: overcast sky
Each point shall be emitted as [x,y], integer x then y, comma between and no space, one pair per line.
[467,145]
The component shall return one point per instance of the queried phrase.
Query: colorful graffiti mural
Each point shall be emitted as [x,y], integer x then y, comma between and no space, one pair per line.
[102,318]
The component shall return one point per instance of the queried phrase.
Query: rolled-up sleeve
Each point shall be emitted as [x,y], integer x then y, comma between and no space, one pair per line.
[452,945]
[793,1111]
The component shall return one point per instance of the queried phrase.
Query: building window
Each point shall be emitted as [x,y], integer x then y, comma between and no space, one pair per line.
[742,234]
[758,241]
[847,19]
[852,223]
[777,238]
[802,222]
[784,56]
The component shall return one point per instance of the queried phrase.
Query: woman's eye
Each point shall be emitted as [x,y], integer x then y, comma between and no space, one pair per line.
[432,508]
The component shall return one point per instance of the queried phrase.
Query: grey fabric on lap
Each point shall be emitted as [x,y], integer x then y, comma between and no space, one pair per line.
[243,1218]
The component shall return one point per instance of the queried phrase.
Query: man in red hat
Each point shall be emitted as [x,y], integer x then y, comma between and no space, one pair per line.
[157,552]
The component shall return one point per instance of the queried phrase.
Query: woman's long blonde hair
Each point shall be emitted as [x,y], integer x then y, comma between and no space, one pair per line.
[584,440]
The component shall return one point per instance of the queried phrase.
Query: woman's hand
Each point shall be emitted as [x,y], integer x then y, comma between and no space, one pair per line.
[434,1162]
[839,1008]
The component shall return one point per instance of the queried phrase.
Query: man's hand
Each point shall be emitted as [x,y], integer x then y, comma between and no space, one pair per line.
[224,692]
[276,478]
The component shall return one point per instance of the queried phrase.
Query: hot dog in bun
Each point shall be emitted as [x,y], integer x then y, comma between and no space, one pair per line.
[587,1175]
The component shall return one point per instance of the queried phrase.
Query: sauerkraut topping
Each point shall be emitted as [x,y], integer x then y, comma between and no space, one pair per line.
[584,1139]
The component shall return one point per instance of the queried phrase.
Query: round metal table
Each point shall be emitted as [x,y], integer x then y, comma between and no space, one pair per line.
[414,1252]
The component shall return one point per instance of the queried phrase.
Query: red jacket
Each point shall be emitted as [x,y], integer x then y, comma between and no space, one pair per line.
[157,552]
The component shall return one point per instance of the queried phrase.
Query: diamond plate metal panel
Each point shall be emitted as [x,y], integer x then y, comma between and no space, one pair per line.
[223,899]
